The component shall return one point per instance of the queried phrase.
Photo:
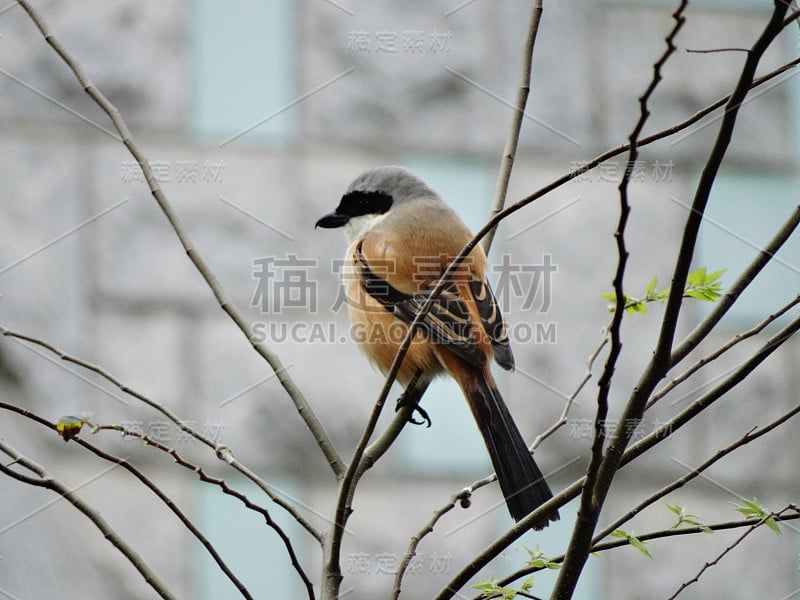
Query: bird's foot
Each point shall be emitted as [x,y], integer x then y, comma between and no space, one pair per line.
[407,399]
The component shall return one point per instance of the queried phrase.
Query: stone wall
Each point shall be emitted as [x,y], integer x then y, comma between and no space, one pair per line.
[90,264]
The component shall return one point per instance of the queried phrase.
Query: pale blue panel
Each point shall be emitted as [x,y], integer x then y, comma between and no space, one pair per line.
[251,549]
[793,46]
[243,70]
[452,446]
[467,186]
[744,212]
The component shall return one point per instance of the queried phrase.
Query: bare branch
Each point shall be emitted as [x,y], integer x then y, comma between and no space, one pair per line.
[702,403]
[462,497]
[222,297]
[597,541]
[655,535]
[510,150]
[659,364]
[750,436]
[562,419]
[222,451]
[739,337]
[417,538]
[717,50]
[150,485]
[739,540]
[645,141]
[598,475]
[201,474]
[746,277]
[46,480]
[630,454]
[663,349]
[221,483]
[173,507]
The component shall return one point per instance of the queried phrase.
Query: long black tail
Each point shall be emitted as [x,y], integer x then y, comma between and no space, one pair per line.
[520,478]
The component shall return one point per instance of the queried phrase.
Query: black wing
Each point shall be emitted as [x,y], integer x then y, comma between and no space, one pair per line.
[492,320]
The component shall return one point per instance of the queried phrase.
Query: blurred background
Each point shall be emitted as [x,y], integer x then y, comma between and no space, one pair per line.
[255,116]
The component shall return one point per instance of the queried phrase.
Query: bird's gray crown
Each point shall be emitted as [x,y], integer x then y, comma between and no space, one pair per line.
[398,182]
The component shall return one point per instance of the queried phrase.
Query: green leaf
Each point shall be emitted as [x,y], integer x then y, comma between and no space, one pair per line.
[773,525]
[490,588]
[675,508]
[640,546]
[684,518]
[753,510]
[696,278]
[700,285]
[651,287]
[711,277]
[633,541]
[538,560]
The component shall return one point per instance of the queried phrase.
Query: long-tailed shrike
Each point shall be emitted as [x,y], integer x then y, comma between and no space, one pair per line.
[402,238]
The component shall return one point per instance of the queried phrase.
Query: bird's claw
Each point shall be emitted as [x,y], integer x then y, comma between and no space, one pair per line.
[404,401]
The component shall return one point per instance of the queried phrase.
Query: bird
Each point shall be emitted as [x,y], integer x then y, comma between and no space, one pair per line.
[402,237]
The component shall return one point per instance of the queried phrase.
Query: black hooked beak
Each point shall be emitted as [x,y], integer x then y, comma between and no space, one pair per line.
[332,221]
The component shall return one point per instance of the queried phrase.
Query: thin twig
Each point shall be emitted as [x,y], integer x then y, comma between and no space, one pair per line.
[749,437]
[705,360]
[745,278]
[598,475]
[727,550]
[510,150]
[201,474]
[632,453]
[653,535]
[462,496]
[222,297]
[599,159]
[722,388]
[716,50]
[645,141]
[562,419]
[45,480]
[417,538]
[659,363]
[688,531]
[222,484]
[147,483]
[222,451]
[663,348]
